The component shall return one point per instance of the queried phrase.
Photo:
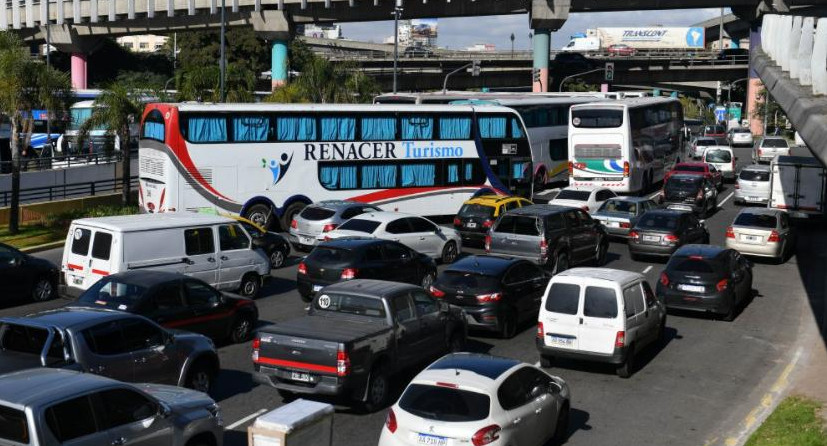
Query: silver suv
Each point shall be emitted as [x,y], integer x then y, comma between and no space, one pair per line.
[51,407]
[322,217]
[769,148]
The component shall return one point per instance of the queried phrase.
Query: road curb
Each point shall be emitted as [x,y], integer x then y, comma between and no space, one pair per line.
[43,247]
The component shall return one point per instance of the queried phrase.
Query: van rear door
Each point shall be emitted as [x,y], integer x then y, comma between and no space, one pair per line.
[811,180]
[87,256]
[560,315]
[602,318]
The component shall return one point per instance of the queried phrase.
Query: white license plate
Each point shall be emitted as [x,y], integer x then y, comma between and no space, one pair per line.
[613,224]
[316,288]
[77,280]
[431,440]
[300,376]
[470,224]
[561,341]
[691,288]
[751,239]
[651,238]
[754,198]
[305,240]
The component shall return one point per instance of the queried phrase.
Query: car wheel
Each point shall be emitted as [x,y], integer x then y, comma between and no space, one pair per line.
[306,298]
[427,280]
[546,362]
[260,214]
[628,367]
[200,377]
[449,252]
[43,290]
[508,327]
[561,263]
[600,256]
[733,310]
[250,286]
[377,391]
[242,329]
[561,429]
[662,331]
[457,343]
[277,259]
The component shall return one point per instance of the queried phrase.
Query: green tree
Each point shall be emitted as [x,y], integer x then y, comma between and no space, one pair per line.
[204,84]
[772,112]
[26,84]
[579,85]
[115,109]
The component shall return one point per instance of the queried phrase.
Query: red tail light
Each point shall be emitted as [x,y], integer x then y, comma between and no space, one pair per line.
[730,233]
[670,238]
[543,248]
[349,273]
[436,292]
[626,169]
[760,152]
[720,286]
[329,227]
[774,237]
[700,195]
[491,297]
[457,221]
[256,348]
[634,235]
[625,225]
[294,224]
[620,339]
[664,279]
[390,421]
[487,243]
[737,186]
[540,332]
[571,169]
[342,363]
[486,435]
[487,223]
[302,268]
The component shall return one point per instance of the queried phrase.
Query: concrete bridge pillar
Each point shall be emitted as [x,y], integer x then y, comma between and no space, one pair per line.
[754,85]
[541,40]
[545,17]
[79,70]
[66,39]
[278,63]
[276,26]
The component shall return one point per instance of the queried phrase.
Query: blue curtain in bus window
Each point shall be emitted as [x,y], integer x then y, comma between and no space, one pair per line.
[492,127]
[379,129]
[418,175]
[207,129]
[296,128]
[516,130]
[154,130]
[469,171]
[329,176]
[417,127]
[251,128]
[454,128]
[338,129]
[378,176]
[518,168]
[453,173]
[347,177]
[338,177]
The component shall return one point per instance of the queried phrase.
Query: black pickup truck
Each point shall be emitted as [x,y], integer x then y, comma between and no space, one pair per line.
[356,334]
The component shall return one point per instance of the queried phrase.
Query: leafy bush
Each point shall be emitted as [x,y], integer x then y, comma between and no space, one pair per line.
[62,220]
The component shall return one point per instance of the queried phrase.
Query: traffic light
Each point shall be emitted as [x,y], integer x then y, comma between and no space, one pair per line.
[536,74]
[609,71]
[475,68]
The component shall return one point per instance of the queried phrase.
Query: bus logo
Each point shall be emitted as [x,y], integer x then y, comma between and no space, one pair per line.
[278,167]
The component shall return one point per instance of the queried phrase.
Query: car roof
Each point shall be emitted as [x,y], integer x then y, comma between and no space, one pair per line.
[145,222]
[630,199]
[338,204]
[486,265]
[478,371]
[370,287]
[758,167]
[667,212]
[69,317]
[540,209]
[383,216]
[583,188]
[147,278]
[40,386]
[491,200]
[692,163]
[687,175]
[705,251]
[608,274]
[761,211]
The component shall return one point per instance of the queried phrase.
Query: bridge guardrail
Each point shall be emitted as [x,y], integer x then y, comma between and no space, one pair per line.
[64,191]
[29,164]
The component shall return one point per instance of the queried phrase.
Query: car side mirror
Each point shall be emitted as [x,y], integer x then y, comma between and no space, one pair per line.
[164,410]
[538,391]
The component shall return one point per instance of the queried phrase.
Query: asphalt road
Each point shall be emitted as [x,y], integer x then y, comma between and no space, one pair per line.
[693,390]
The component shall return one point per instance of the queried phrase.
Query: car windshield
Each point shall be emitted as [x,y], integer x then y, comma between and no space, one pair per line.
[754,175]
[467,280]
[330,256]
[689,168]
[691,265]
[756,220]
[444,403]
[660,222]
[774,142]
[571,194]
[13,425]
[359,225]
[347,304]
[476,210]
[718,156]
[619,207]
[316,213]
[109,291]
[683,183]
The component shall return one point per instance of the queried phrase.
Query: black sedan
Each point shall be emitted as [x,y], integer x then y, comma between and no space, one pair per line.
[706,278]
[496,293]
[352,258]
[175,301]
[662,231]
[25,277]
[274,245]
[690,192]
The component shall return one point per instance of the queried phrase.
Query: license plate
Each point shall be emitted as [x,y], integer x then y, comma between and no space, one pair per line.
[651,238]
[305,240]
[691,288]
[431,440]
[300,376]
[561,341]
[751,238]
[316,288]
[754,198]
[77,280]
[613,224]
[470,224]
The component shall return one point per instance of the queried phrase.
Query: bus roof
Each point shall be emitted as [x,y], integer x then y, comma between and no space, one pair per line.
[83,104]
[628,102]
[193,107]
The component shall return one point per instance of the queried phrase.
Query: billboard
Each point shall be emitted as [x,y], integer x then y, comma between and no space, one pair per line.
[422,29]
[655,37]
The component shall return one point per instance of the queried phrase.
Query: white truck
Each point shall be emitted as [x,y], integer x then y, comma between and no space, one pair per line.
[798,185]
[639,38]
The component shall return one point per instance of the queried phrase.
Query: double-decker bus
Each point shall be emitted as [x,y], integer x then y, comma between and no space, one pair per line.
[626,145]
[268,161]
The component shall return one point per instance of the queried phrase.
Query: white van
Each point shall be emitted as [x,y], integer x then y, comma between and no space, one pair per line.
[599,314]
[214,249]
[723,159]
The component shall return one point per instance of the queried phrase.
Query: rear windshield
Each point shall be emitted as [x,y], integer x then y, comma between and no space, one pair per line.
[359,225]
[569,194]
[664,222]
[691,265]
[347,304]
[476,210]
[619,207]
[690,168]
[741,131]
[714,129]
[330,256]
[596,118]
[756,220]
[13,425]
[113,292]
[683,183]
[706,142]
[754,175]
[718,156]
[774,143]
[563,298]
[444,403]
[518,224]
[316,213]
[600,302]
[461,280]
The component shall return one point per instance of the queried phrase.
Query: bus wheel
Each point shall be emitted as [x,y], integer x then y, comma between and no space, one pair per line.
[260,214]
[647,183]
[289,213]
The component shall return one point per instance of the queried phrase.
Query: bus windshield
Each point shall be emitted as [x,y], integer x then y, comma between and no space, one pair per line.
[79,115]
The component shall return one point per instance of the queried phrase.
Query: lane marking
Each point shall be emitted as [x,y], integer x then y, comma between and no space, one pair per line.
[721,203]
[647,269]
[245,419]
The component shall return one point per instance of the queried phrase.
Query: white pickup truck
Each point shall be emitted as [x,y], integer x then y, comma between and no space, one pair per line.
[798,185]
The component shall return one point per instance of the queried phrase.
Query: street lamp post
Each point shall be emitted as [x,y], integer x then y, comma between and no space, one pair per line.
[223,61]
[512,45]
[397,11]
[48,65]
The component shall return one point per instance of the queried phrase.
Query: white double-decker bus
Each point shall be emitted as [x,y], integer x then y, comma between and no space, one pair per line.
[626,145]
[268,161]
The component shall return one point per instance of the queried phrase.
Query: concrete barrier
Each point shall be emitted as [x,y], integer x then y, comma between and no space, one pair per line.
[792,47]
[819,59]
[783,36]
[805,52]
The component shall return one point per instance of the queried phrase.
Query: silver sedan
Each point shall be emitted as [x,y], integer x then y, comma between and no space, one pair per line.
[324,216]
[762,233]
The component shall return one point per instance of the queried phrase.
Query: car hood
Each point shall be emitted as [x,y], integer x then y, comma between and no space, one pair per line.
[177,397]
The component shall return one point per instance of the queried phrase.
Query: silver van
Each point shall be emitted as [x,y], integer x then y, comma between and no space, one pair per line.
[753,185]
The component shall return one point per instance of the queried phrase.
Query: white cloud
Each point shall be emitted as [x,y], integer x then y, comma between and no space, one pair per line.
[459,33]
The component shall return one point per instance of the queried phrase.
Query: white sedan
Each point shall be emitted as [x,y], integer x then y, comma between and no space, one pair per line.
[417,233]
[474,399]
[587,199]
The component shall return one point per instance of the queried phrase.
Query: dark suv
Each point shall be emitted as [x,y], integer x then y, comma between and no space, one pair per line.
[690,192]
[552,236]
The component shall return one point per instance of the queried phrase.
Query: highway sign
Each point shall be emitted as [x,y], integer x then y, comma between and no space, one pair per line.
[720,113]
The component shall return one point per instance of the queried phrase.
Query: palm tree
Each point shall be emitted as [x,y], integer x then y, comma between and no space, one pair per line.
[203,84]
[115,109]
[321,81]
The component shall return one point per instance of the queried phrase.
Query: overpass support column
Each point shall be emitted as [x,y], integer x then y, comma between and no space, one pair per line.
[545,17]
[79,70]
[276,27]
[754,86]
[278,64]
[66,39]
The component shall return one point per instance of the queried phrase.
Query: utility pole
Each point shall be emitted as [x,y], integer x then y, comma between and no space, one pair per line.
[721,32]
[48,66]
[766,108]
[397,11]
[174,52]
[512,45]
[223,62]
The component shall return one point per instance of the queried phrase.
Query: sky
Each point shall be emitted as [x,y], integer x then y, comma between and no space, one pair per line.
[460,33]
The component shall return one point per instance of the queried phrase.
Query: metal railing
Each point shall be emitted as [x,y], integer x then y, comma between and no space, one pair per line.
[32,164]
[64,191]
